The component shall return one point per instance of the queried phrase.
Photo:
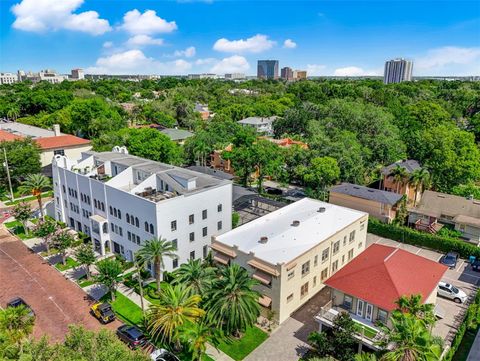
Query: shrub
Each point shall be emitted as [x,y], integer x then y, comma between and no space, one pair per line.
[422,239]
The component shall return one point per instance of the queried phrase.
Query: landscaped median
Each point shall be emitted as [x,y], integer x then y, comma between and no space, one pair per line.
[125,309]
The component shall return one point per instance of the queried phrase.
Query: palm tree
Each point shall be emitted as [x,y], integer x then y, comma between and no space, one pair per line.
[232,303]
[176,307]
[16,323]
[399,175]
[13,112]
[35,184]
[420,179]
[86,257]
[195,275]
[413,305]
[197,335]
[154,251]
[364,357]
[410,338]
[109,271]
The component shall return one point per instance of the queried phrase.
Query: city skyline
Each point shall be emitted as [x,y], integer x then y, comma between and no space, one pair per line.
[183,37]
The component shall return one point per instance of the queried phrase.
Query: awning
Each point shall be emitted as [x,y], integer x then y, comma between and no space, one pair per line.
[265,301]
[262,277]
[291,265]
[264,267]
[221,258]
[224,249]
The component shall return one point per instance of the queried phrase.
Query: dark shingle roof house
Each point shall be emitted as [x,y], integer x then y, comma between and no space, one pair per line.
[409,165]
[371,194]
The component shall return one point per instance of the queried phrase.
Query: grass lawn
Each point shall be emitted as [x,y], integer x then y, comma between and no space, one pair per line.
[207,358]
[70,263]
[126,310]
[29,199]
[464,347]
[239,349]
[18,230]
[83,282]
[367,331]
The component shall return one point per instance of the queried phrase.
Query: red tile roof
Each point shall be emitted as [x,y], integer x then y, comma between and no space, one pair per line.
[60,141]
[7,137]
[381,274]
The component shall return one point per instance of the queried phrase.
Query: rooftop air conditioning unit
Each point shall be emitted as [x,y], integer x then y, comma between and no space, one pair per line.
[321,210]
[263,239]
[295,223]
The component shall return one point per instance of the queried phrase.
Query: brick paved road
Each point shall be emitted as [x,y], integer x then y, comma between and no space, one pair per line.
[56,301]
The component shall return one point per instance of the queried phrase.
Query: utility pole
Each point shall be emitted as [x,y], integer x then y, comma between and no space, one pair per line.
[8,174]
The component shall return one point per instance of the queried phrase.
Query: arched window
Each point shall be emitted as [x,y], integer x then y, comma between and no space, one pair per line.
[111,210]
[146,226]
[128,218]
[137,222]
[151,229]
[119,214]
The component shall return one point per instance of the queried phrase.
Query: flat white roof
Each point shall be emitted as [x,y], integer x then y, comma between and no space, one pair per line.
[285,241]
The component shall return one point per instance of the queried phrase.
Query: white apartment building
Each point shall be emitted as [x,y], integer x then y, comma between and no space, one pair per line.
[293,250]
[261,125]
[397,70]
[122,200]
[8,78]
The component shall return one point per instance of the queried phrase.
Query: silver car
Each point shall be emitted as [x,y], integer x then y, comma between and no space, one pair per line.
[450,291]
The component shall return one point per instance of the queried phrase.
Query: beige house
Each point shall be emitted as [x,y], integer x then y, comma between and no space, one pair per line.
[368,287]
[405,186]
[438,209]
[292,250]
[377,203]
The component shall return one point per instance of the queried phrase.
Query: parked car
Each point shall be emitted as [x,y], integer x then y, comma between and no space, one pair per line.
[17,301]
[450,259]
[102,312]
[132,336]
[275,191]
[476,265]
[163,355]
[450,291]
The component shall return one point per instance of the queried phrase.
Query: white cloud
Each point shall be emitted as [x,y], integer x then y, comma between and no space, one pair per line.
[315,69]
[136,62]
[206,61]
[143,40]
[108,44]
[289,44]
[147,23]
[355,71]
[255,44]
[232,64]
[187,53]
[449,60]
[45,15]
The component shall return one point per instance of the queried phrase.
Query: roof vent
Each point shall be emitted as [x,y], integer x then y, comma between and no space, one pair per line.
[295,223]
[263,239]
[321,210]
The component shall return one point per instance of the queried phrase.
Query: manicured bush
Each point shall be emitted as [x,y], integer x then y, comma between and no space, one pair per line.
[422,239]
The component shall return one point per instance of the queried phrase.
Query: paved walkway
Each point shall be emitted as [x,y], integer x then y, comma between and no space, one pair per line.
[474,354]
[218,355]
[133,296]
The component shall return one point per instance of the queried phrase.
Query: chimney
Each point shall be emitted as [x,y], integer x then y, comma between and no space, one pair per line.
[56,130]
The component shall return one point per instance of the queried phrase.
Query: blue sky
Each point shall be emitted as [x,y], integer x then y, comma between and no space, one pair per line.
[188,36]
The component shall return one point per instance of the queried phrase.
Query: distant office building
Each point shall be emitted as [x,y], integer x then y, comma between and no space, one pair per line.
[235,76]
[267,69]
[286,73]
[202,76]
[8,78]
[397,70]
[77,74]
[48,75]
[299,74]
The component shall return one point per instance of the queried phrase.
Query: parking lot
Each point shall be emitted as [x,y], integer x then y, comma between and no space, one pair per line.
[56,301]
[461,277]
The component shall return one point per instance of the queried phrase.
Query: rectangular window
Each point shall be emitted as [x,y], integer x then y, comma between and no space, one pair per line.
[352,236]
[334,266]
[191,219]
[192,236]
[343,259]
[314,281]
[360,245]
[175,263]
[219,208]
[347,302]
[362,225]
[305,268]
[219,225]
[175,243]
[192,255]
[290,297]
[204,231]
[325,254]
[336,247]
[382,316]
[173,226]
[350,254]
[304,290]
[315,261]
[344,240]
[59,151]
[291,274]
[204,214]
[324,274]
[205,251]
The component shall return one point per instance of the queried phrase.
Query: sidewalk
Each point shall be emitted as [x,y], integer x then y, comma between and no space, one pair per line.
[474,354]
[133,296]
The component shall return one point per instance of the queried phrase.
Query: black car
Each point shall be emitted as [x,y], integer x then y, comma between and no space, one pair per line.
[476,265]
[450,259]
[132,336]
[17,302]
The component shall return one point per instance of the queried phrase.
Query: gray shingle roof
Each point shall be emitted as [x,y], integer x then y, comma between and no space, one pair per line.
[176,134]
[409,165]
[358,191]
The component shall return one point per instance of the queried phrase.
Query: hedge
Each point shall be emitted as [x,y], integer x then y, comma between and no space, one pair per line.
[422,239]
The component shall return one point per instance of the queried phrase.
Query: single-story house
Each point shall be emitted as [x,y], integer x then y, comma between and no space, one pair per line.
[377,203]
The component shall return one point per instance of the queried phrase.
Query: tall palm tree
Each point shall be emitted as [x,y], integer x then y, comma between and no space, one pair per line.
[16,323]
[154,251]
[197,335]
[410,339]
[195,275]
[399,175]
[35,184]
[109,271]
[420,179]
[232,304]
[413,305]
[176,307]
